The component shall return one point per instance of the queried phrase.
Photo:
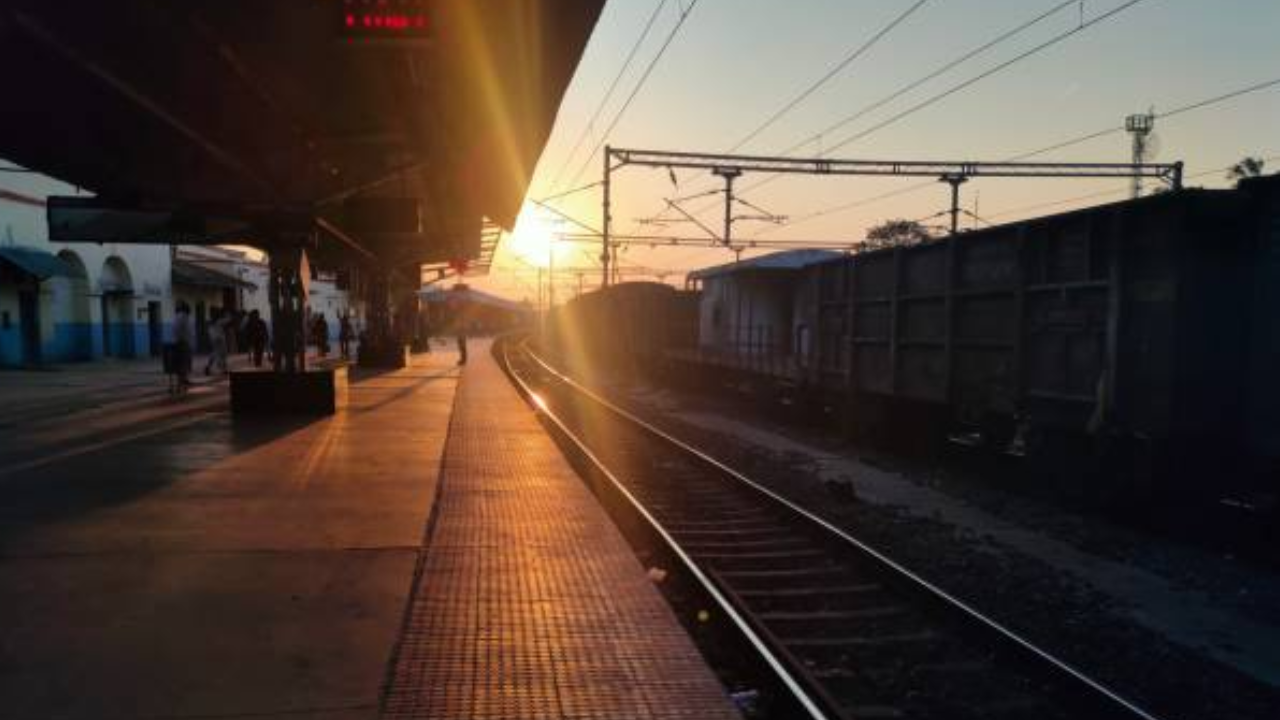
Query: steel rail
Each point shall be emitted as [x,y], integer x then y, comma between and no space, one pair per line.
[811,706]
[899,571]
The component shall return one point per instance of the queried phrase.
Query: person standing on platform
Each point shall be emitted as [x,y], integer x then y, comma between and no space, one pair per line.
[218,342]
[255,337]
[184,341]
[321,331]
[458,306]
[346,334]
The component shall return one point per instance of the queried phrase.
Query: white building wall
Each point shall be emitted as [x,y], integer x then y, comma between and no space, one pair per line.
[257,298]
[72,311]
[123,305]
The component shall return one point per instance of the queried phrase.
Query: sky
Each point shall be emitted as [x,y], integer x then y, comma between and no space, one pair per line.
[734,63]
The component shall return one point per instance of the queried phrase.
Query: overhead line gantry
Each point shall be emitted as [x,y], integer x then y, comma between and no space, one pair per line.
[954,173]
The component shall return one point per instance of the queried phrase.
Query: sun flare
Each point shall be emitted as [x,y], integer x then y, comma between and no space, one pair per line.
[534,236]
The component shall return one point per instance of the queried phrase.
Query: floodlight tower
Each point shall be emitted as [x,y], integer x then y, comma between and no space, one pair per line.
[1139,126]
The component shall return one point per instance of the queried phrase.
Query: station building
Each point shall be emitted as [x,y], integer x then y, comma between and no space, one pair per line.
[64,302]
[73,302]
[212,278]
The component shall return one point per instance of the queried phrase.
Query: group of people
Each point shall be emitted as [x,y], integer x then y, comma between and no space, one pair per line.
[319,330]
[233,331]
[227,331]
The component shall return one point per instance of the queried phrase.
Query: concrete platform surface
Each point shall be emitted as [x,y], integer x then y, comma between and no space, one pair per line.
[529,603]
[159,560]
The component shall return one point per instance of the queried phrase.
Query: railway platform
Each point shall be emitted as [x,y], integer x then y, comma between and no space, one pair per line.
[162,559]
[528,602]
[423,552]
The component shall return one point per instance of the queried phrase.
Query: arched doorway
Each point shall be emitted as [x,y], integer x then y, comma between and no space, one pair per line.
[72,319]
[116,284]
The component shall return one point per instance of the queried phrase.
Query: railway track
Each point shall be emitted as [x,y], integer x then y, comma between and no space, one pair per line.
[847,631]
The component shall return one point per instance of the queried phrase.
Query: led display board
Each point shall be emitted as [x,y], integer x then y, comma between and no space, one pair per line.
[361,20]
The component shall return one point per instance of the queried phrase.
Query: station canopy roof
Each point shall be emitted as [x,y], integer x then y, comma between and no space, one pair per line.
[442,296]
[37,263]
[271,111]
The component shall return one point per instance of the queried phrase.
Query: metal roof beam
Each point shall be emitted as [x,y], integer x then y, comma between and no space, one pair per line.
[36,30]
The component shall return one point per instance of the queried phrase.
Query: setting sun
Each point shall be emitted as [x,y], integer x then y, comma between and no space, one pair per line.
[533,237]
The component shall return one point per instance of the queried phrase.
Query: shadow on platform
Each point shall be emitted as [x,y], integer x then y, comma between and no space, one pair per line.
[85,478]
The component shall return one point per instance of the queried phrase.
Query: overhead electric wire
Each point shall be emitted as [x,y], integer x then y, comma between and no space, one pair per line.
[942,69]
[570,191]
[796,220]
[691,257]
[1197,105]
[626,65]
[827,77]
[808,91]
[684,15]
[984,74]
[564,215]
[656,241]
[937,97]
[1084,138]
[1221,98]
[1057,203]
[1113,191]
[1056,146]
[1188,107]
[1002,213]
[1037,206]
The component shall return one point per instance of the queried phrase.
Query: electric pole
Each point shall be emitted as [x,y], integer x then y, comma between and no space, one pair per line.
[729,174]
[551,273]
[955,180]
[605,250]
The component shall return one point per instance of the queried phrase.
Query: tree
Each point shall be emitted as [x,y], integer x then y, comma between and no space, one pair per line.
[1249,167]
[896,233]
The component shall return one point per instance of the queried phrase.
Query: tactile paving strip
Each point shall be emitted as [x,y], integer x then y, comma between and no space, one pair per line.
[529,602]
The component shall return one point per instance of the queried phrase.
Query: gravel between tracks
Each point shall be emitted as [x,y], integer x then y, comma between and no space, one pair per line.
[1185,632]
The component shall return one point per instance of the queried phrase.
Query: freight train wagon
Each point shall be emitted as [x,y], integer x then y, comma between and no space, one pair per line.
[1148,331]
[624,327]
